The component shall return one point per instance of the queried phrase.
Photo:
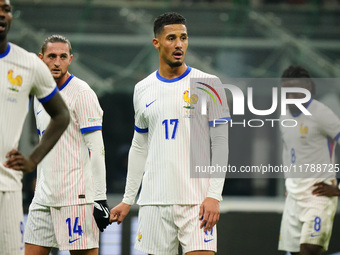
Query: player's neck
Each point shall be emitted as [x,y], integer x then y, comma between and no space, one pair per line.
[3,46]
[169,72]
[60,82]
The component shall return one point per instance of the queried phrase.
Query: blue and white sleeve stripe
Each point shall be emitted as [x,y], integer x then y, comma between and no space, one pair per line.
[47,98]
[141,130]
[220,121]
[90,129]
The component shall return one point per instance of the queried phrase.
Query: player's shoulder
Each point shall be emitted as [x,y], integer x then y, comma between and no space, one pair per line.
[80,84]
[318,108]
[80,88]
[321,113]
[151,78]
[196,73]
[24,55]
[17,49]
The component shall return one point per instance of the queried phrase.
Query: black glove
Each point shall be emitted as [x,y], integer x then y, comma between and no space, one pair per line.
[101,214]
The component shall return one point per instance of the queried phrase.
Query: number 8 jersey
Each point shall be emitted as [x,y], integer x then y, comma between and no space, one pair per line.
[177,114]
[309,147]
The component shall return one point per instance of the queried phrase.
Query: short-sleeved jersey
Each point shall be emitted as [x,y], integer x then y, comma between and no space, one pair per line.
[21,74]
[310,143]
[177,122]
[65,176]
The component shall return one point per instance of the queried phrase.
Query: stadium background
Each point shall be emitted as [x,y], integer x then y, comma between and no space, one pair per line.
[112,50]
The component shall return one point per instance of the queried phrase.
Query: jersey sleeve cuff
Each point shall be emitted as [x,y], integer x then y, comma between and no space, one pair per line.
[90,129]
[220,121]
[336,138]
[141,130]
[128,201]
[215,196]
[47,98]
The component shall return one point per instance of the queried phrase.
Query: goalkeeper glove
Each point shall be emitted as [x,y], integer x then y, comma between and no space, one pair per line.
[101,214]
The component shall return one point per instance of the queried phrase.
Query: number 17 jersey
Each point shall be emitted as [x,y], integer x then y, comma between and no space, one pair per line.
[177,114]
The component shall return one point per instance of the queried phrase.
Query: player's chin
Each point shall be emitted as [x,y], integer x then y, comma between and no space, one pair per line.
[177,63]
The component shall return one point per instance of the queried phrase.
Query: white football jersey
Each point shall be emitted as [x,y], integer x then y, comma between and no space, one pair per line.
[21,73]
[308,148]
[65,176]
[177,121]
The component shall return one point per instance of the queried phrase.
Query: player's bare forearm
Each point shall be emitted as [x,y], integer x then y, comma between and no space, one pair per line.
[60,118]
[323,189]
[118,213]
[209,213]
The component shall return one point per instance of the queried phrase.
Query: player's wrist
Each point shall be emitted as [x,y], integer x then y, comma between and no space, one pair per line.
[101,213]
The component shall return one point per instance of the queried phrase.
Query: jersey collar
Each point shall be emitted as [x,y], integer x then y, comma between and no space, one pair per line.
[297,115]
[159,77]
[66,82]
[2,55]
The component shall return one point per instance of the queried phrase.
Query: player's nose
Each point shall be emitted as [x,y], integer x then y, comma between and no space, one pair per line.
[179,43]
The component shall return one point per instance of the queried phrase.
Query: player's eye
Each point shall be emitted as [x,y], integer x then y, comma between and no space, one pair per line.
[6,9]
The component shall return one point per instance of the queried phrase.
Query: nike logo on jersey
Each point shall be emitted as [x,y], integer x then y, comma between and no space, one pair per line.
[72,241]
[312,235]
[39,112]
[207,240]
[147,105]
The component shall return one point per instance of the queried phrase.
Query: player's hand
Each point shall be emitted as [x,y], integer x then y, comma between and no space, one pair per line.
[323,189]
[101,214]
[209,213]
[17,161]
[118,213]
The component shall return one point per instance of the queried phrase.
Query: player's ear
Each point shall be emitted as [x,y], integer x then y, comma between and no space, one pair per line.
[40,55]
[71,57]
[155,43]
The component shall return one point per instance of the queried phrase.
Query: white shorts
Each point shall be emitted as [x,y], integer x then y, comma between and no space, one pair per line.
[11,223]
[162,228]
[307,221]
[66,228]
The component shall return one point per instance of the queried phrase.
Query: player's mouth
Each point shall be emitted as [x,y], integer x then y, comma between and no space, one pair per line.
[178,54]
[56,71]
[2,26]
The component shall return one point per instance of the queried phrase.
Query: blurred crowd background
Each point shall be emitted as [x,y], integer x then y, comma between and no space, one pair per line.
[112,50]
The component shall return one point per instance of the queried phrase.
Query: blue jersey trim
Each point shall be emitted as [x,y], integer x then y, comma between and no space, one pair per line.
[47,98]
[159,77]
[141,130]
[66,82]
[336,138]
[297,115]
[40,133]
[90,129]
[330,143]
[2,55]
[220,121]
